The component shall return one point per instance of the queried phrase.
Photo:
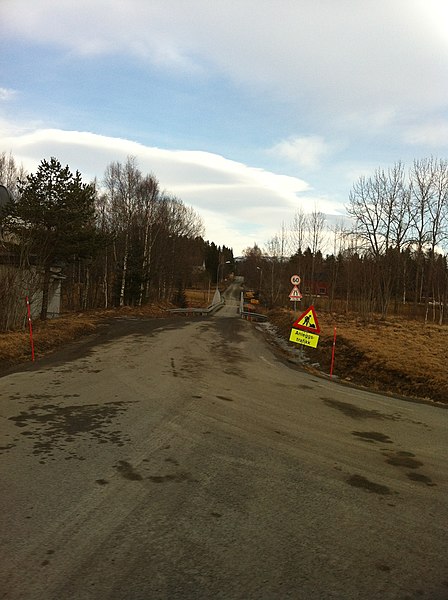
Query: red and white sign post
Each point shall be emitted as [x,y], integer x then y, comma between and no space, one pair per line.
[332,354]
[295,294]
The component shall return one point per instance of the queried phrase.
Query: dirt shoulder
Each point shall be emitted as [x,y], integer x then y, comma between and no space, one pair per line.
[58,334]
[396,356]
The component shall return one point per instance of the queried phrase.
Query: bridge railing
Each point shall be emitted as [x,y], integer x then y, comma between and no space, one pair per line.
[203,312]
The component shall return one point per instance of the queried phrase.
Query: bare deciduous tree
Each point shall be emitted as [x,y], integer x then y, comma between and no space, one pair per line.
[122,184]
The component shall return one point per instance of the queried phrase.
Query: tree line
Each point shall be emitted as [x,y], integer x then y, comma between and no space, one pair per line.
[125,241]
[121,241]
[391,257]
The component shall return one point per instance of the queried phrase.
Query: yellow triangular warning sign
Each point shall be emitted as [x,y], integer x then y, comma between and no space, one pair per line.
[308,321]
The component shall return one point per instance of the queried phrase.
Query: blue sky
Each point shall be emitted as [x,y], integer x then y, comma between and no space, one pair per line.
[247,110]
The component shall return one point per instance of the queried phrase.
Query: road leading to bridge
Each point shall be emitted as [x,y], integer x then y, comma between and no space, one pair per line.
[180,458]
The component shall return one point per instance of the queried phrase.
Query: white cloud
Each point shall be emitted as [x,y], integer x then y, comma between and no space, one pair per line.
[240,204]
[428,135]
[306,152]
[6,94]
[344,57]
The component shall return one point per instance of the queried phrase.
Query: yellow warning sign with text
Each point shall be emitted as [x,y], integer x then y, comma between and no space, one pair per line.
[303,337]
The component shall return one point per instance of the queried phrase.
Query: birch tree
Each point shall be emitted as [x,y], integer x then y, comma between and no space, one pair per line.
[149,193]
[122,184]
[316,223]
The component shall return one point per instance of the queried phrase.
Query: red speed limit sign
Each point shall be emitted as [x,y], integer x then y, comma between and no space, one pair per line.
[295,280]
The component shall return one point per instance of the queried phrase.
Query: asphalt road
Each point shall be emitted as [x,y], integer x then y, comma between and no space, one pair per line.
[183,458]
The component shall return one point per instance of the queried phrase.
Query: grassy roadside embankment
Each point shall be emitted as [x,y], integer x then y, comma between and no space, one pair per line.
[396,356]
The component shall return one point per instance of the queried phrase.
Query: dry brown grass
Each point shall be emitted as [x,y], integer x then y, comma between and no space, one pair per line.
[199,298]
[397,356]
[16,347]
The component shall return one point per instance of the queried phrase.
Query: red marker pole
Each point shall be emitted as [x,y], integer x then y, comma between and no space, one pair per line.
[31,328]
[332,354]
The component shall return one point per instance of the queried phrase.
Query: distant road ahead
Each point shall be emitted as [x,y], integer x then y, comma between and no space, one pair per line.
[181,458]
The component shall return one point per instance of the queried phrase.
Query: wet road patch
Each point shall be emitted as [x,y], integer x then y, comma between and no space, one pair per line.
[126,470]
[359,481]
[419,477]
[235,372]
[53,427]
[225,398]
[403,459]
[356,412]
[179,477]
[6,448]
[373,436]
[192,365]
[407,460]
[173,368]
[229,329]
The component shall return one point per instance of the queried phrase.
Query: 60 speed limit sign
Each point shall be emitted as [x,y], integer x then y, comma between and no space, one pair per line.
[295,280]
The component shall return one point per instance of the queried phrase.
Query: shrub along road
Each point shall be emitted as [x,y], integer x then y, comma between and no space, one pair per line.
[179,458]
